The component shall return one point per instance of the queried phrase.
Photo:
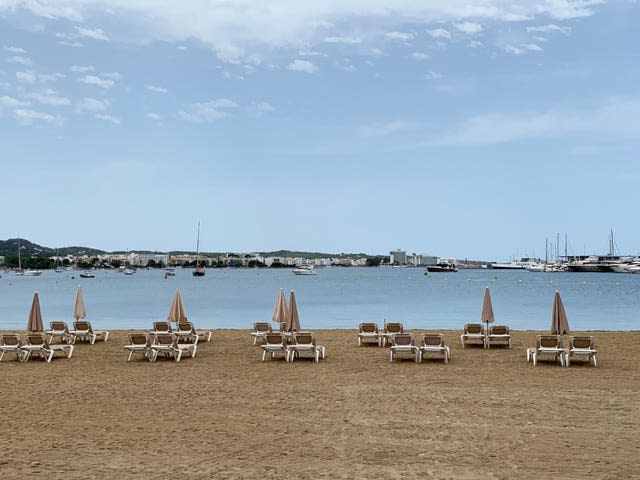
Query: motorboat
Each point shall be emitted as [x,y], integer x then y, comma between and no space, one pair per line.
[87,274]
[441,267]
[32,273]
[304,270]
[625,268]
[169,272]
[523,264]
[128,271]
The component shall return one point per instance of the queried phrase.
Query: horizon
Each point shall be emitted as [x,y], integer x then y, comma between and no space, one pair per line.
[473,129]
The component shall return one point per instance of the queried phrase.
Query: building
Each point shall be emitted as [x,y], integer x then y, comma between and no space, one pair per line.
[425,259]
[399,257]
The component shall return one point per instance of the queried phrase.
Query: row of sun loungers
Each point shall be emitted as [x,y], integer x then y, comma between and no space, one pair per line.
[166,341]
[550,347]
[290,345]
[82,330]
[33,345]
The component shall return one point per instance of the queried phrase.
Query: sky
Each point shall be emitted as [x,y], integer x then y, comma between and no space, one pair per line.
[470,129]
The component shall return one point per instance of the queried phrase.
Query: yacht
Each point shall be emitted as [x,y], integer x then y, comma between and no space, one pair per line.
[441,267]
[523,264]
[304,270]
[87,274]
[32,273]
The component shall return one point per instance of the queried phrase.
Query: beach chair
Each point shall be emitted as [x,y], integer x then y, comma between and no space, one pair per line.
[82,330]
[260,330]
[305,342]
[499,335]
[162,327]
[38,345]
[10,343]
[200,334]
[58,329]
[473,334]
[403,346]
[167,344]
[433,344]
[390,329]
[548,347]
[186,332]
[368,333]
[583,348]
[273,344]
[139,343]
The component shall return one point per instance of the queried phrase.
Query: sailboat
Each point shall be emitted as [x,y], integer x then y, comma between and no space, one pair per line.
[57,267]
[19,271]
[199,270]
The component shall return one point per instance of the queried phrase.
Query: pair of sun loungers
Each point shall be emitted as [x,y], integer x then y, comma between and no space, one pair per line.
[550,347]
[475,334]
[34,345]
[165,344]
[368,333]
[183,329]
[82,330]
[431,344]
[298,345]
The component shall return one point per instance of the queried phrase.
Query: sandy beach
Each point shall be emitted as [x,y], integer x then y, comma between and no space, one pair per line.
[488,414]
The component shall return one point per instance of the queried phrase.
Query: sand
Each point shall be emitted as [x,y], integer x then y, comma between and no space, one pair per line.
[488,414]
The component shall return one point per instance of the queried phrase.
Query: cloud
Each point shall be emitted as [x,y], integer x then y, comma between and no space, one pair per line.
[433,76]
[475,44]
[259,109]
[26,116]
[204,112]
[522,49]
[12,49]
[49,97]
[10,102]
[81,68]
[96,33]
[92,105]
[153,116]
[401,36]
[439,33]
[302,66]
[549,28]
[20,60]
[383,129]
[71,44]
[469,28]
[98,81]
[344,40]
[156,89]
[33,77]
[107,118]
[419,56]
[616,118]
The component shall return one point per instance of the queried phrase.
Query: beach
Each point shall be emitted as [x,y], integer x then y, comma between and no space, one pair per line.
[488,414]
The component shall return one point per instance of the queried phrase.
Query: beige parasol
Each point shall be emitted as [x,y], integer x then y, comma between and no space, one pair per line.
[78,310]
[35,317]
[281,312]
[177,312]
[559,322]
[487,309]
[293,322]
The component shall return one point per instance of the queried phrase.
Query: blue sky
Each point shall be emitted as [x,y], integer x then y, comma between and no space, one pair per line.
[458,128]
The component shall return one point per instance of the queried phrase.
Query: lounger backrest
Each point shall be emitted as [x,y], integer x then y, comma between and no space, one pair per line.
[36,339]
[262,327]
[138,338]
[403,339]
[82,325]
[185,327]
[432,340]
[549,341]
[303,338]
[581,342]
[394,327]
[500,330]
[9,340]
[57,326]
[164,327]
[474,328]
[368,328]
[273,338]
[164,339]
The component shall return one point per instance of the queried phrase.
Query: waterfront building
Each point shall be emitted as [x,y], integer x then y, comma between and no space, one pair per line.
[398,257]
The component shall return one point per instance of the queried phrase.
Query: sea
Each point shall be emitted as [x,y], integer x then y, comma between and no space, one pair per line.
[337,297]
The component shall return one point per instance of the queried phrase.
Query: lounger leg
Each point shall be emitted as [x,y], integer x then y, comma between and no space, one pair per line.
[264,354]
[462,340]
[390,356]
[533,357]
[566,361]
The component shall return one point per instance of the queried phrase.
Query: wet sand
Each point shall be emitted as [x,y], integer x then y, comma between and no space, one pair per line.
[488,414]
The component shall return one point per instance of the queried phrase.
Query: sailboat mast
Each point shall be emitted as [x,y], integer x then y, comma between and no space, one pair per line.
[19,261]
[198,247]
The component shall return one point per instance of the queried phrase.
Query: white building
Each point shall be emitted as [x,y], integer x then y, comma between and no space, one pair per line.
[399,257]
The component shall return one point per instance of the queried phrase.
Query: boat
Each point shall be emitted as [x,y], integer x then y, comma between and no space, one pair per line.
[304,270]
[441,267]
[87,274]
[625,268]
[57,267]
[524,263]
[199,269]
[169,272]
[32,273]
[128,271]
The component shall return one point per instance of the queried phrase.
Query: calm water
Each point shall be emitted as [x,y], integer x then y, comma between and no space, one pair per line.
[334,298]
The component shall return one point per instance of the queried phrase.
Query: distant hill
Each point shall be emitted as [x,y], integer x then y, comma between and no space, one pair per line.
[9,247]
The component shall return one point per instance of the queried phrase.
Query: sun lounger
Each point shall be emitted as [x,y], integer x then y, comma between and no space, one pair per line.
[10,343]
[583,348]
[548,347]
[433,344]
[273,344]
[58,329]
[186,332]
[305,342]
[162,327]
[404,346]
[139,343]
[38,345]
[368,333]
[260,330]
[499,335]
[82,330]
[390,329]
[167,344]
[473,335]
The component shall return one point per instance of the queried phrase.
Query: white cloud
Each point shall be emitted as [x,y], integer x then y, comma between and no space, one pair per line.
[469,28]
[475,44]
[33,77]
[92,105]
[433,76]
[439,33]
[71,44]
[614,119]
[81,68]
[113,76]
[12,49]
[383,129]
[208,111]
[550,28]
[107,118]
[96,33]
[10,102]
[97,81]
[302,66]
[343,39]
[153,116]
[49,97]
[26,116]
[183,48]
[419,56]
[522,49]
[261,108]
[401,36]
[20,60]
[156,89]
[532,47]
